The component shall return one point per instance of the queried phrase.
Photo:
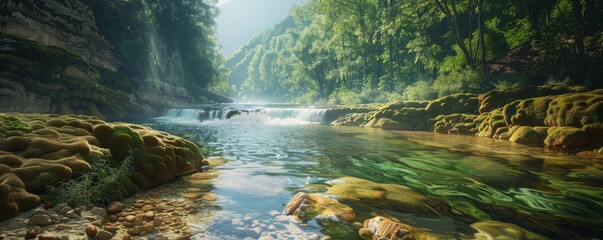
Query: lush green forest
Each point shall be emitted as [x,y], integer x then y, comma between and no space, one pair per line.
[171,40]
[358,51]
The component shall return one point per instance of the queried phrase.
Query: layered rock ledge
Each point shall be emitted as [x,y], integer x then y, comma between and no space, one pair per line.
[561,117]
[38,151]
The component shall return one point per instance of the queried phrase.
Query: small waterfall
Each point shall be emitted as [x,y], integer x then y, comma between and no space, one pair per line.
[183,114]
[311,115]
[258,115]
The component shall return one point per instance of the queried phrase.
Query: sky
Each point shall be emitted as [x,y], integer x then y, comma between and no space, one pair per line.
[241,20]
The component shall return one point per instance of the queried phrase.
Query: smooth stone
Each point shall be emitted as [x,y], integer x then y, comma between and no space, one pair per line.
[99,212]
[137,230]
[110,228]
[103,235]
[38,211]
[114,207]
[91,230]
[72,214]
[130,218]
[149,214]
[148,227]
[48,236]
[146,208]
[281,218]
[32,233]
[62,227]
[40,220]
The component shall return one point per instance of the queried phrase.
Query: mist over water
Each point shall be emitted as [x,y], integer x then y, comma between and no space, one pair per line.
[274,153]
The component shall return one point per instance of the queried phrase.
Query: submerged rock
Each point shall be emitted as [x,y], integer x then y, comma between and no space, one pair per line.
[388,228]
[504,231]
[385,195]
[305,206]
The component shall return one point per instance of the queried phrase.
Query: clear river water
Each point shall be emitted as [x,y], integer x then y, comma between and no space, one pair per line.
[274,152]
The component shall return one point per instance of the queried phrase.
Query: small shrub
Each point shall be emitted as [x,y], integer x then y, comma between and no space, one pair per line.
[103,183]
[420,90]
[559,82]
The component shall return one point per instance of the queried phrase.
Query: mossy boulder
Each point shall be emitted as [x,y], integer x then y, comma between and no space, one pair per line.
[575,110]
[489,229]
[567,137]
[499,98]
[333,114]
[528,112]
[42,150]
[352,119]
[490,123]
[307,206]
[525,135]
[463,124]
[455,103]
[14,198]
[385,195]
[388,124]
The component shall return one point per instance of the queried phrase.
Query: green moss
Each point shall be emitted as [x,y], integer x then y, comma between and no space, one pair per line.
[529,112]
[490,123]
[499,98]
[575,110]
[456,103]
[38,175]
[528,135]
[567,137]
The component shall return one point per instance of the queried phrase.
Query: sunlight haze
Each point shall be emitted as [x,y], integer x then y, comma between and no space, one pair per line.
[240,20]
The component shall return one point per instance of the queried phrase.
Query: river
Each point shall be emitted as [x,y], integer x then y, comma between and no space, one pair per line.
[276,151]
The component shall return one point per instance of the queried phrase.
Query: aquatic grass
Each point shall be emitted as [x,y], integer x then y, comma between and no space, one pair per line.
[103,183]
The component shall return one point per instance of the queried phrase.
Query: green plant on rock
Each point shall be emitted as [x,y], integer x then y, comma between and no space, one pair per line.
[103,183]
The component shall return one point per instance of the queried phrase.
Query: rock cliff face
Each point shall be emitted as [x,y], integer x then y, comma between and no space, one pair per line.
[54,59]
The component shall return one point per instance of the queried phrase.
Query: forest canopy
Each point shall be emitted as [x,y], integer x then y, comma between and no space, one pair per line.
[359,51]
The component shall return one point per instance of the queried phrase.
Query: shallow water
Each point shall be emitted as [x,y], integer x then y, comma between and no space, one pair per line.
[555,195]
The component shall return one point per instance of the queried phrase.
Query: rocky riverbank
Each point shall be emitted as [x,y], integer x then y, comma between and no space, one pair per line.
[39,152]
[561,117]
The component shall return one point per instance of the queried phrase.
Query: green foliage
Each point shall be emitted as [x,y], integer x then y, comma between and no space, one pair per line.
[420,90]
[106,181]
[343,51]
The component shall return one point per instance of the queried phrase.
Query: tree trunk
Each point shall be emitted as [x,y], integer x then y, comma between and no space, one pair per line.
[482,40]
[578,34]
[452,19]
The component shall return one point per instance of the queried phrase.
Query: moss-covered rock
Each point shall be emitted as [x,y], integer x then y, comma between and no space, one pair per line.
[352,119]
[455,103]
[307,206]
[489,123]
[13,196]
[567,137]
[499,98]
[464,124]
[526,135]
[61,147]
[575,110]
[529,112]
[385,195]
[489,229]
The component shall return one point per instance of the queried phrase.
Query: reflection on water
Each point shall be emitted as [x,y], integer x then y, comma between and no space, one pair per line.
[549,193]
